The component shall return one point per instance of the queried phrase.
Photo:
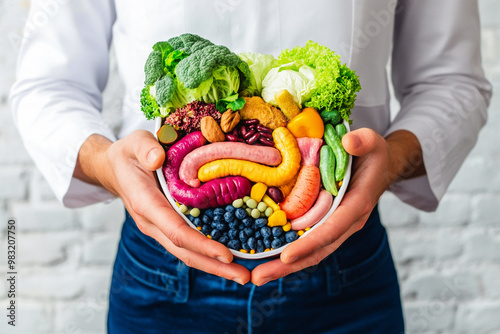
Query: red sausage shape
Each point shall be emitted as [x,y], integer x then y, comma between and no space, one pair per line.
[316,213]
[188,171]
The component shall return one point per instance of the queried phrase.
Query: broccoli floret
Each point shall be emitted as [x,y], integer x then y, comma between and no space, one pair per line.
[201,65]
[165,89]
[149,106]
[153,69]
[189,43]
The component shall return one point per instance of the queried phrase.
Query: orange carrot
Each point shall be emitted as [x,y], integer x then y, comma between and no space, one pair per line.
[304,193]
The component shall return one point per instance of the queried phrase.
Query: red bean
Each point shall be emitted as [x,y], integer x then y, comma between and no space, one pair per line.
[253,121]
[267,135]
[253,139]
[276,194]
[243,131]
[249,134]
[235,132]
[262,128]
[231,137]
[252,127]
[265,141]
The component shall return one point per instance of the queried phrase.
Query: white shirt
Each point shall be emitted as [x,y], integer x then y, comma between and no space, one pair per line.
[436,71]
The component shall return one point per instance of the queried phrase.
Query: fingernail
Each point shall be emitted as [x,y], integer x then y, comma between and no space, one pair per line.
[223,259]
[152,156]
[238,280]
[355,142]
[265,280]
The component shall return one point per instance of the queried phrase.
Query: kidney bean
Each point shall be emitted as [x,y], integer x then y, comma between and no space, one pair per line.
[265,141]
[231,137]
[249,134]
[243,131]
[262,128]
[275,194]
[253,139]
[266,135]
[235,132]
[253,121]
[252,127]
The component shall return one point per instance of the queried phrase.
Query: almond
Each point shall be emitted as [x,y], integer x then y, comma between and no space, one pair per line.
[229,120]
[211,130]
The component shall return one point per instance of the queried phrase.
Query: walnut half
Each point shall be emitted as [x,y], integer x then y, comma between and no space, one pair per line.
[229,120]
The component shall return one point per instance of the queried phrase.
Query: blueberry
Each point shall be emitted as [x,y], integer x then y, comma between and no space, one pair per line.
[197,221]
[209,212]
[219,211]
[243,236]
[257,235]
[277,231]
[252,243]
[233,224]
[216,234]
[224,239]
[206,229]
[245,246]
[229,217]
[233,234]
[230,208]
[291,236]
[276,243]
[261,222]
[221,226]
[241,227]
[191,218]
[282,238]
[260,246]
[213,224]
[234,244]
[240,213]
[247,221]
[266,231]
[248,231]
[218,218]
[268,242]
[206,219]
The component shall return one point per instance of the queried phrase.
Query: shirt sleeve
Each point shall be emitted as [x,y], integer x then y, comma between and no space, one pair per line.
[440,84]
[62,70]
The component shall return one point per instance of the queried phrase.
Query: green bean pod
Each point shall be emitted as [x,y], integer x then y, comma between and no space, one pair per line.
[327,169]
[341,156]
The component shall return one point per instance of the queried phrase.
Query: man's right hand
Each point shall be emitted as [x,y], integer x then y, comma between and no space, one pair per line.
[126,168]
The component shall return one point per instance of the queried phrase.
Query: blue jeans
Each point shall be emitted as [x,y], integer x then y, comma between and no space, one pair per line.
[354,290]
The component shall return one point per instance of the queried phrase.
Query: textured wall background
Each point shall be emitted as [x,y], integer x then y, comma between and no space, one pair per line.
[448,261]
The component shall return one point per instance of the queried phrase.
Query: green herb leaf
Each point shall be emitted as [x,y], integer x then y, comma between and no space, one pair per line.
[232,102]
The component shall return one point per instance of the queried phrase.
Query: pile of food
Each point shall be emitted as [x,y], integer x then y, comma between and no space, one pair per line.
[253,142]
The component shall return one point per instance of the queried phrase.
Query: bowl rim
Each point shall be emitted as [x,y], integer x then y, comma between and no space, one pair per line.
[271,253]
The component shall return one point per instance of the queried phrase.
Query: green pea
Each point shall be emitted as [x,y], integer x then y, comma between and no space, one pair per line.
[246,199]
[238,203]
[195,212]
[183,208]
[249,211]
[255,213]
[251,203]
[269,211]
[262,206]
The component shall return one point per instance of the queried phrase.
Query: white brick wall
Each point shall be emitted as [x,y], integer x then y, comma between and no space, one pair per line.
[448,261]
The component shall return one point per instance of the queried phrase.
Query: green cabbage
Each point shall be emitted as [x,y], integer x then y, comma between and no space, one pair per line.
[259,64]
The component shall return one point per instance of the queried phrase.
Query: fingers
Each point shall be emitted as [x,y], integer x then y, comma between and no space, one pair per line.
[362,141]
[231,271]
[146,148]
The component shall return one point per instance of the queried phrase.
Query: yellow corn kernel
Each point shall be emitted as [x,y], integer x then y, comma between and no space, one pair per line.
[300,232]
[252,251]
[269,201]
[199,228]
[307,229]
[340,183]
[243,251]
[266,250]
[287,227]
[209,236]
[258,191]
[278,218]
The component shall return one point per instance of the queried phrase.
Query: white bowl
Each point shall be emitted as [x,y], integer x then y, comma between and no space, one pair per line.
[274,252]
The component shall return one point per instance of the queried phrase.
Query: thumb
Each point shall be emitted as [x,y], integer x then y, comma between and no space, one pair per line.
[147,150]
[362,141]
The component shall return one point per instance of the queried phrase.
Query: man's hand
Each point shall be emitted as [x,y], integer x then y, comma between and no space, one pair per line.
[379,162]
[126,169]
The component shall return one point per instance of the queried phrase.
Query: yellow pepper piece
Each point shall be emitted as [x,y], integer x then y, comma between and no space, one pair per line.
[287,227]
[307,124]
[270,203]
[258,191]
[278,218]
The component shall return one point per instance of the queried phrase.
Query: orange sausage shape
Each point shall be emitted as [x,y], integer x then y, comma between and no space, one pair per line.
[188,171]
